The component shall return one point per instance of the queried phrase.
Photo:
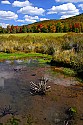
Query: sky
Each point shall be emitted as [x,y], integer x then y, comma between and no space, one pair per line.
[23,12]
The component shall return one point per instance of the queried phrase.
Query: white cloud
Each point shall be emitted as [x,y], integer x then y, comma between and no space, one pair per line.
[4,25]
[21,4]
[28,8]
[41,19]
[22,24]
[5,2]
[29,19]
[8,15]
[31,10]
[66,10]
[22,21]
[66,16]
[81,6]
[73,1]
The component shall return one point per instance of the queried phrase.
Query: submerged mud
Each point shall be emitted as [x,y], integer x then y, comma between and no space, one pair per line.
[49,109]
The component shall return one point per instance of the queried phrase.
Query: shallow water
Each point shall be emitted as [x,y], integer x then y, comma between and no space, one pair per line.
[15,77]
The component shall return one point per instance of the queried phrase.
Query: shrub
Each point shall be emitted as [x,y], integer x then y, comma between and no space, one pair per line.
[50,50]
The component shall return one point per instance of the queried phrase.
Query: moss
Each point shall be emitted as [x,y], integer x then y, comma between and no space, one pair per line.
[72,109]
[13,121]
[12,56]
[69,72]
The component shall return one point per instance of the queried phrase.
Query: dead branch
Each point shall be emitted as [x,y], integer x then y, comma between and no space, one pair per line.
[39,88]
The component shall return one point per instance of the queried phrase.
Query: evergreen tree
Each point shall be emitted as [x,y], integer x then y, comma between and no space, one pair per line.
[17,30]
[1,29]
[59,27]
[24,29]
[8,28]
[65,28]
[13,29]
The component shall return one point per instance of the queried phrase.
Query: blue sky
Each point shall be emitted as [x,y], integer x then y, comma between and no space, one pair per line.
[20,12]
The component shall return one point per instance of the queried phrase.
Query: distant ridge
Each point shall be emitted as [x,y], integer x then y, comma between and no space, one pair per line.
[74,19]
[72,24]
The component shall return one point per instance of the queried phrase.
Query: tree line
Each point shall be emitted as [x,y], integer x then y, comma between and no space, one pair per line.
[44,28]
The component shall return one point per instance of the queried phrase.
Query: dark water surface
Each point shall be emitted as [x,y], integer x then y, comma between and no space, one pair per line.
[15,80]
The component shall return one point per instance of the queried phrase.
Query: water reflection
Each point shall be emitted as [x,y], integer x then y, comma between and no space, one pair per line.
[15,81]
[2,82]
[18,61]
[8,61]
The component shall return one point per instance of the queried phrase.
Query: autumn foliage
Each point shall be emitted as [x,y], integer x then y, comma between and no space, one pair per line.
[72,24]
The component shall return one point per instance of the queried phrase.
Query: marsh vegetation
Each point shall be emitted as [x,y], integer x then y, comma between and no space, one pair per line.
[26,58]
[65,50]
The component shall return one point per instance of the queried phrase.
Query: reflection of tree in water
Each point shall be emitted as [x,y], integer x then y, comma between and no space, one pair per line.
[1,82]
[6,110]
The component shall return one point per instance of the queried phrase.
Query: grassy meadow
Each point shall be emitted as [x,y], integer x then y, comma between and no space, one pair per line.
[64,49]
[35,34]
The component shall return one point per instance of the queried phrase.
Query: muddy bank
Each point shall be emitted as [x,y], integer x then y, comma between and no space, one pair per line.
[38,110]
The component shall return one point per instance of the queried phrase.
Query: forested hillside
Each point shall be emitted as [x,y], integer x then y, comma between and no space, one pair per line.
[72,24]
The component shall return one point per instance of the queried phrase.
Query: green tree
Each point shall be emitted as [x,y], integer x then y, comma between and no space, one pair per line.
[59,27]
[1,29]
[24,29]
[13,29]
[4,30]
[17,30]
[65,28]
[8,28]
[76,30]
[33,29]
[73,28]
[44,30]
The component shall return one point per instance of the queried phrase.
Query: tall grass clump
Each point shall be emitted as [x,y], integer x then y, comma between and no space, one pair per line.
[27,44]
[71,53]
